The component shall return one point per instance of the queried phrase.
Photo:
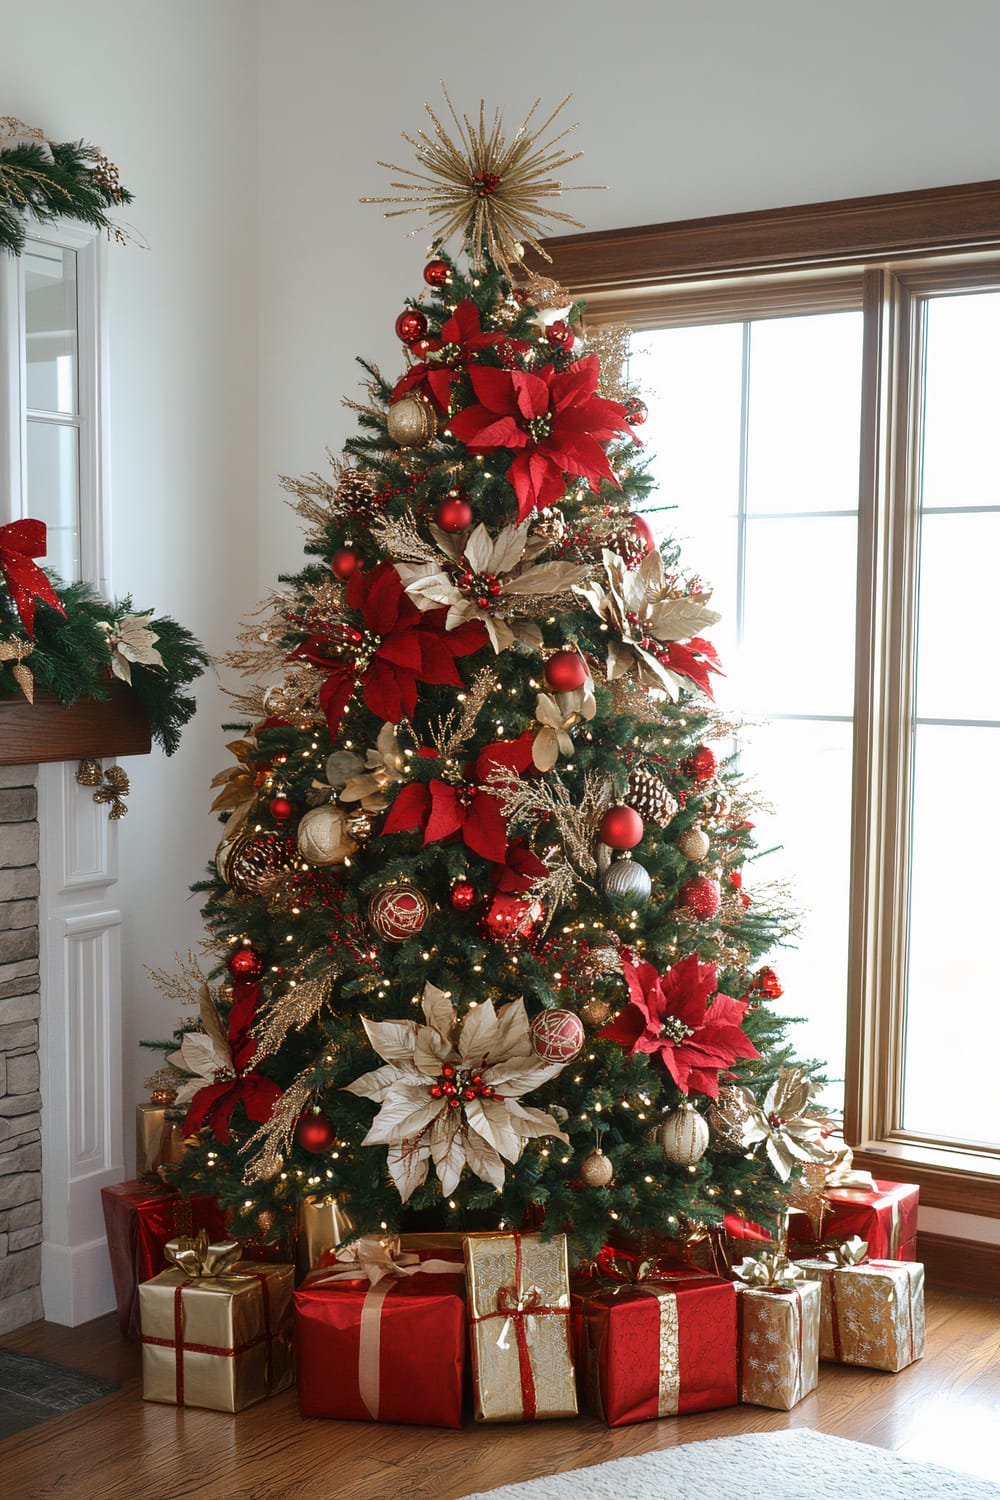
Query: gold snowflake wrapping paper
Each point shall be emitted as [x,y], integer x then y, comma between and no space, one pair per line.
[779,1344]
[871,1314]
[519,1305]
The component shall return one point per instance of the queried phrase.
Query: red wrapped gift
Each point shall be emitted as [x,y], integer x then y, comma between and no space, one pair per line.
[382,1337]
[659,1346]
[139,1219]
[885,1216]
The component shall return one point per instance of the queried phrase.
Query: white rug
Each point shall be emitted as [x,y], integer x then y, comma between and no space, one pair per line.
[796,1465]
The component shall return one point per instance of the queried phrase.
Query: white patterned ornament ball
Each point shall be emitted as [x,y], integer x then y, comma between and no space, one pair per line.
[683,1136]
[323,836]
[557,1035]
[411,422]
[398,912]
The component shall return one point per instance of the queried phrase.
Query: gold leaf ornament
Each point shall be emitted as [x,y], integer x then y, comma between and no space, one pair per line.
[15,652]
[493,192]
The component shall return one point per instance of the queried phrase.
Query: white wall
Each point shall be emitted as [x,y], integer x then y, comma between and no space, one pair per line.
[168,91]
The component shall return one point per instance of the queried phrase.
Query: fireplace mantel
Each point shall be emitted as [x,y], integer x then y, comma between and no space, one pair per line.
[36,733]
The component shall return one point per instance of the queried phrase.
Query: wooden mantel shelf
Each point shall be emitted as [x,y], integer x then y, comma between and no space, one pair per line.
[31,733]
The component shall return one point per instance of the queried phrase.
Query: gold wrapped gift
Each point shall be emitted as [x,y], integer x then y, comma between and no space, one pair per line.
[215,1332]
[778,1332]
[872,1311]
[522,1361]
[159,1142]
[322,1224]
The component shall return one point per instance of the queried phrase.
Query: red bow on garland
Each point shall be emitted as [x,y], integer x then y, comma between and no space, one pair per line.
[214,1104]
[20,541]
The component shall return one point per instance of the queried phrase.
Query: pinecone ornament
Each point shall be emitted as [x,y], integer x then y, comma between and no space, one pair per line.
[651,798]
[355,491]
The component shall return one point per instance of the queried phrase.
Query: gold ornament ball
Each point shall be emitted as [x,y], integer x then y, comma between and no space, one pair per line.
[163,1096]
[595,1011]
[683,1136]
[323,837]
[411,422]
[726,1117]
[694,843]
[596,1169]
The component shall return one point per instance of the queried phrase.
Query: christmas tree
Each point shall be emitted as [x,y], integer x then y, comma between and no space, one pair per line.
[482,953]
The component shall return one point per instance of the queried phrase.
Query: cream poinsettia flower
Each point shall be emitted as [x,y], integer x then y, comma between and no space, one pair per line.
[646,611]
[781,1124]
[200,1059]
[480,577]
[484,1063]
[367,781]
[131,640]
[556,714]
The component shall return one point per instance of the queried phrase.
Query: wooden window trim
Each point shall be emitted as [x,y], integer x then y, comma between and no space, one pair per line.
[880,253]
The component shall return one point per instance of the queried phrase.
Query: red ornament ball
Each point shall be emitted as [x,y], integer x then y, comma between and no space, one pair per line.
[344,563]
[701,766]
[246,963]
[642,529]
[411,325]
[767,983]
[701,896]
[315,1132]
[621,828]
[560,335]
[280,809]
[566,671]
[557,1035]
[398,912]
[437,273]
[454,514]
[509,917]
[463,895]
[636,411]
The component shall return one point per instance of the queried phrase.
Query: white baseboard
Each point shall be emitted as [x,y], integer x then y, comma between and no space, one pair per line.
[76,1283]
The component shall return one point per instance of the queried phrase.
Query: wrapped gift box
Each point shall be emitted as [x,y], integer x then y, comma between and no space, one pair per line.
[383,1338]
[872,1312]
[885,1216]
[159,1142]
[519,1306]
[661,1346]
[779,1343]
[139,1219]
[220,1340]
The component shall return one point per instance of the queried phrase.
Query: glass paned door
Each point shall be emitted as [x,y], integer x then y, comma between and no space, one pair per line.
[754,429]
[952,1003]
[52,406]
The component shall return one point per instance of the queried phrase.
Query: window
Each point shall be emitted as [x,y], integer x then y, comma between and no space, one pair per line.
[50,397]
[824,387]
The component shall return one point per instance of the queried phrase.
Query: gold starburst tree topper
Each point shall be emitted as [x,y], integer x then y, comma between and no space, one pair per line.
[491,191]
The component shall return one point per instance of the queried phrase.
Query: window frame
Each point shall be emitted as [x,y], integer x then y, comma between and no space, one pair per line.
[92,362]
[884,254]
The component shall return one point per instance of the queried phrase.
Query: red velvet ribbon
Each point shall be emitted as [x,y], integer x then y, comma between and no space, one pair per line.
[517,1307]
[181,1348]
[20,541]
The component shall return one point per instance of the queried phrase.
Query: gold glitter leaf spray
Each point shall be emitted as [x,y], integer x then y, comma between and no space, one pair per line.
[491,191]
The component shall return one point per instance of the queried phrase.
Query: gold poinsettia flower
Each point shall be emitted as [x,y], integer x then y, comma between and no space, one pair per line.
[780,1123]
[367,781]
[131,640]
[485,1063]
[480,577]
[239,786]
[556,714]
[647,612]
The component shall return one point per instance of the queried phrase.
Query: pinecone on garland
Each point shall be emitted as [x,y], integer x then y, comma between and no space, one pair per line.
[355,491]
[651,798]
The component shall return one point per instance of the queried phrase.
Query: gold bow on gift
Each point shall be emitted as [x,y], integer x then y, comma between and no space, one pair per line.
[852,1252]
[15,653]
[517,1302]
[770,1271]
[200,1260]
[844,1174]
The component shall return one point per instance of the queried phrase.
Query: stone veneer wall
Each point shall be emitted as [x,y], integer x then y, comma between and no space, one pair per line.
[20,1101]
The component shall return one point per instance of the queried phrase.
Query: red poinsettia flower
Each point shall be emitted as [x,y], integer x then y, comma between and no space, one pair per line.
[445,358]
[523,867]
[214,1105]
[554,420]
[442,810]
[695,659]
[668,1016]
[399,647]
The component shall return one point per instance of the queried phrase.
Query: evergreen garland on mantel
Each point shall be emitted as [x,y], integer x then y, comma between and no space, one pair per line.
[48,180]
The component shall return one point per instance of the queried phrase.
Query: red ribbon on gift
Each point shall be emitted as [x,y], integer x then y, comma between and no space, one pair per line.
[180,1348]
[20,541]
[517,1307]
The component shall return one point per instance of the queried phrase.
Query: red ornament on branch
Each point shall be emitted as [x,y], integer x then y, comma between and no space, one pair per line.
[566,671]
[411,325]
[463,895]
[344,563]
[246,963]
[315,1132]
[454,514]
[280,809]
[560,335]
[766,983]
[642,529]
[557,1035]
[621,828]
[701,766]
[701,897]
[636,411]
[437,273]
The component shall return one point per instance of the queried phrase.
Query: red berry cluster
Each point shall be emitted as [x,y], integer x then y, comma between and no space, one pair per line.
[483,587]
[485,183]
[456,1084]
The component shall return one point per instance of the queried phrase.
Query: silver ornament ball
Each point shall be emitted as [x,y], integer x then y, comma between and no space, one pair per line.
[683,1136]
[626,877]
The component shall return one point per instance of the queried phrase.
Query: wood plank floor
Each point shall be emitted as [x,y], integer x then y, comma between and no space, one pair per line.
[943,1409]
